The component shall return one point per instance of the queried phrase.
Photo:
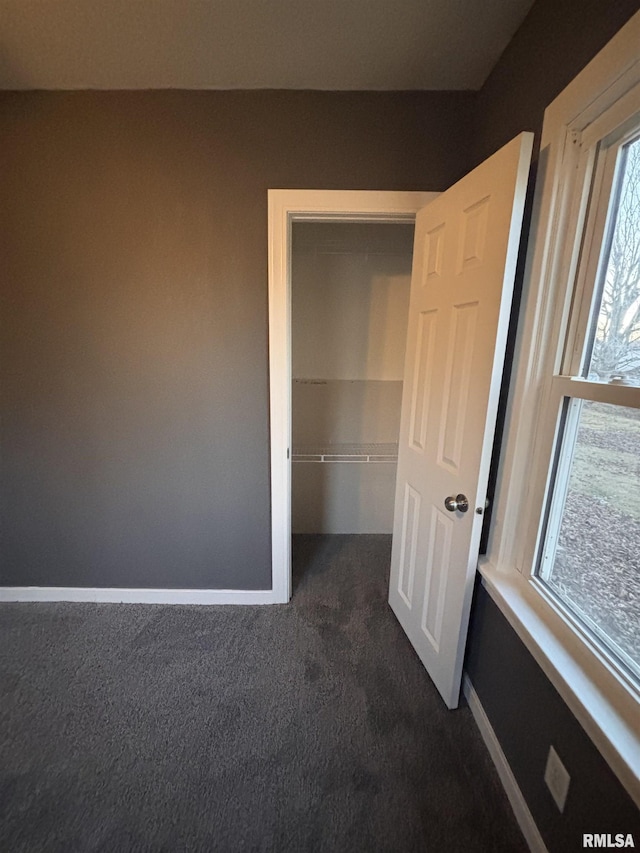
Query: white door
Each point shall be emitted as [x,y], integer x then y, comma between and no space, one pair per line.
[465,249]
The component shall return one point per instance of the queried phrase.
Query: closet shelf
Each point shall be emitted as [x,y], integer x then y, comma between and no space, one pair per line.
[370,452]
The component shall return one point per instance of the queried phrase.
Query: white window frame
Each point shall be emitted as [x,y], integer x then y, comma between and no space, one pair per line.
[604,701]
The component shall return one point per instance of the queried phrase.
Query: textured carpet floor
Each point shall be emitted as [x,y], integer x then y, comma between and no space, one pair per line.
[308,727]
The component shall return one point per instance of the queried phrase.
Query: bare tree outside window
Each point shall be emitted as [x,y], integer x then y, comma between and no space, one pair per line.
[616,346]
[596,564]
[591,558]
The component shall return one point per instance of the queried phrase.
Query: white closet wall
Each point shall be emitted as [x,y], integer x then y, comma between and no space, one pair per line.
[350,297]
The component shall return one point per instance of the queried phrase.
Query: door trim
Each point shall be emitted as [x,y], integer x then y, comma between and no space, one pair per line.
[286,207]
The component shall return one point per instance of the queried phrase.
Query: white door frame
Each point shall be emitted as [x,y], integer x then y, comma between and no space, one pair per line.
[286,207]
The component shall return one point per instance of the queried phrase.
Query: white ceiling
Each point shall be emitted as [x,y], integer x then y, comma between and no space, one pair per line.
[253,44]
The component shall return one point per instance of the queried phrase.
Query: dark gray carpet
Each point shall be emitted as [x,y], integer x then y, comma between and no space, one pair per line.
[308,727]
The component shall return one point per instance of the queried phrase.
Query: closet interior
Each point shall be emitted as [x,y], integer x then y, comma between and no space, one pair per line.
[350,298]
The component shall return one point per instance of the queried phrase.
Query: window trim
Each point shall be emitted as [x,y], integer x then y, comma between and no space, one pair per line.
[594,690]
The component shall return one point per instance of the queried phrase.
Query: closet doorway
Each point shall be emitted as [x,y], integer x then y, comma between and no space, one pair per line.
[350,288]
[335,410]
[465,249]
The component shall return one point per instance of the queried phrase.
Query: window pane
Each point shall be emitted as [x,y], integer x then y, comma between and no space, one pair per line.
[615,354]
[592,551]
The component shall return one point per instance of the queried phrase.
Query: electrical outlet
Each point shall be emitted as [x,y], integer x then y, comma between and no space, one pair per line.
[557,778]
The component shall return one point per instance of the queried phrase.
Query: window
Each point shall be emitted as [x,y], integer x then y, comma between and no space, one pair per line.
[563,557]
[588,554]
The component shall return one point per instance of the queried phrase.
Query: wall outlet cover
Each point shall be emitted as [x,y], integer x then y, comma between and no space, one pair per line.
[557,778]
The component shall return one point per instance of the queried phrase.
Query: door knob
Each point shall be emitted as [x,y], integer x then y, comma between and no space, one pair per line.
[459,503]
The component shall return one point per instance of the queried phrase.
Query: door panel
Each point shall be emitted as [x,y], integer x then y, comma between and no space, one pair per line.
[465,250]
[460,352]
[410,522]
[440,536]
[423,373]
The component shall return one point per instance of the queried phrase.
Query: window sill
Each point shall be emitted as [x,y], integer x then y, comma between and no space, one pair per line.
[601,702]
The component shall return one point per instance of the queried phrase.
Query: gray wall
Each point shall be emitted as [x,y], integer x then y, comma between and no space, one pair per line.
[134,373]
[527,714]
[554,43]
